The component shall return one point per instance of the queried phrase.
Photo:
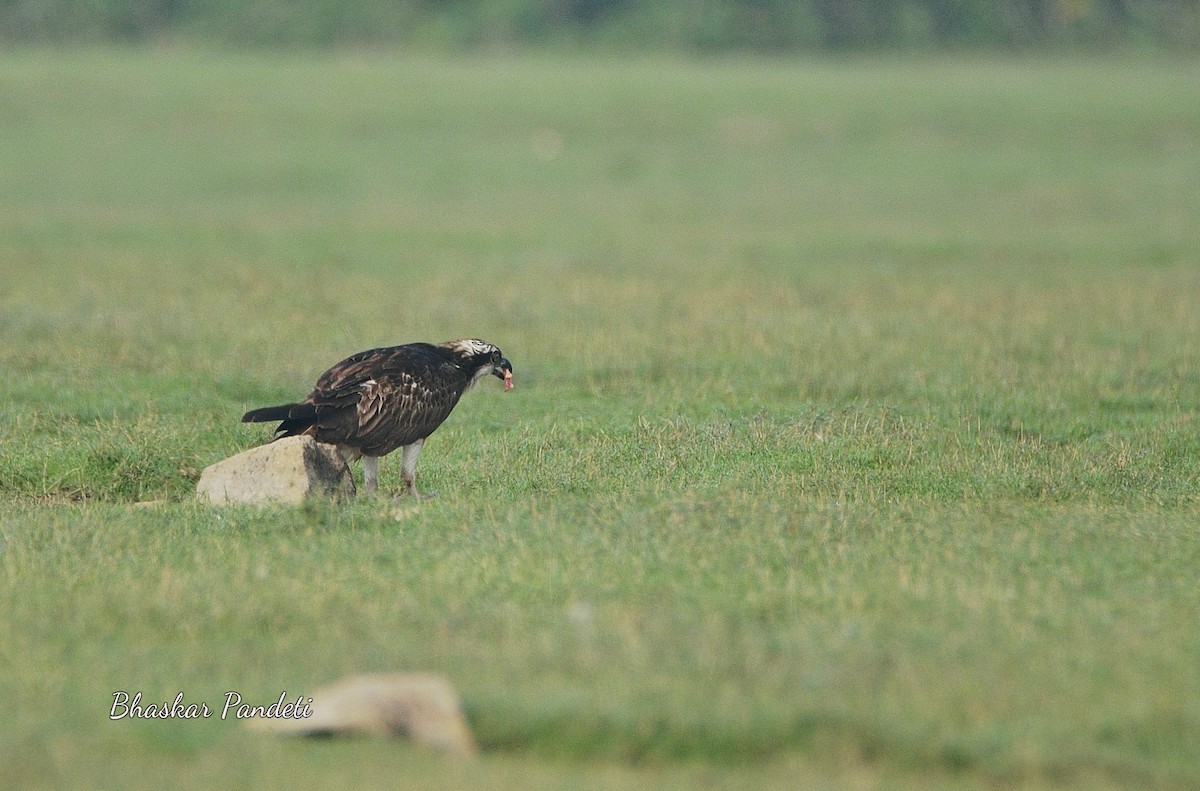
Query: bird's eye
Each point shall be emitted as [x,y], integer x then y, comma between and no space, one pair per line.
[496,356]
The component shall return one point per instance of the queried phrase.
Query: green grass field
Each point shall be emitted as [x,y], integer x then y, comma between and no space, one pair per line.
[854,442]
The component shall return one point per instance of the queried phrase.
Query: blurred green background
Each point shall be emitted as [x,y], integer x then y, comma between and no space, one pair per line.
[855,440]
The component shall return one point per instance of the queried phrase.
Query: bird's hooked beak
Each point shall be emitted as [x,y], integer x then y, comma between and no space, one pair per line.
[503,370]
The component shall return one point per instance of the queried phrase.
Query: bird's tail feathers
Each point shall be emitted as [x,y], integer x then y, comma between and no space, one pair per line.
[293,419]
[269,413]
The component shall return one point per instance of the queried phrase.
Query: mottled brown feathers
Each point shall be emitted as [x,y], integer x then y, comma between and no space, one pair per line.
[382,399]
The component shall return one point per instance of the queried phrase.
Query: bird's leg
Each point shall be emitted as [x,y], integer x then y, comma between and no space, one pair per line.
[411,452]
[348,455]
[371,474]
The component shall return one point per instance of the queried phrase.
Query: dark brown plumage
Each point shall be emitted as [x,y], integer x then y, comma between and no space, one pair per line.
[379,400]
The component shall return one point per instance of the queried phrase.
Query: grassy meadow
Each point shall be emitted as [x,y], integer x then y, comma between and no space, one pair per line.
[854,442]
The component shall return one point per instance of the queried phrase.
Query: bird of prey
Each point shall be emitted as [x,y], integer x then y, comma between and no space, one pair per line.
[376,401]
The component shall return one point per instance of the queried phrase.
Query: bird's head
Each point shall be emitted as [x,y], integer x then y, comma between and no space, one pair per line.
[481,358]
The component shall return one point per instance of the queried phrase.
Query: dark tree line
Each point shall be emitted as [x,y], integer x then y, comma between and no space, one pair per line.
[698,25]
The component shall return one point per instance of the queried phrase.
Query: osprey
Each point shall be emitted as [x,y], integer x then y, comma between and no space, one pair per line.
[376,401]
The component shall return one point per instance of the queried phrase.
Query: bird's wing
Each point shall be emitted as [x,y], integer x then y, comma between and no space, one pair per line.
[341,385]
[399,394]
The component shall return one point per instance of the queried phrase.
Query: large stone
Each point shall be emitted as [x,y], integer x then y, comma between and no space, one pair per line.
[419,706]
[285,471]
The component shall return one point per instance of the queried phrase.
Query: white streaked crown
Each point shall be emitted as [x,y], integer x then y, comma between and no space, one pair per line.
[470,347]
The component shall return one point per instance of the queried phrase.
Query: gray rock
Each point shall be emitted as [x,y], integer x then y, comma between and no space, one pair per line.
[285,471]
[420,706]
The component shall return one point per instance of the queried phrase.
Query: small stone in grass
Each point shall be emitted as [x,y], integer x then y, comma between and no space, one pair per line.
[419,706]
[286,471]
